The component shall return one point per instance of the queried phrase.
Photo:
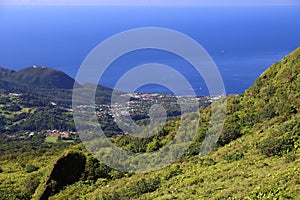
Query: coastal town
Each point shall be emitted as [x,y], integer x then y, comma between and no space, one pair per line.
[136,105]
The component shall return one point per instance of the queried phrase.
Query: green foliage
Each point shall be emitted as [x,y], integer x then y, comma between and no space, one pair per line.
[275,95]
[12,108]
[27,113]
[47,85]
[141,145]
[31,183]
[18,157]
[48,118]
[95,170]
[31,168]
[275,146]
[290,157]
[231,130]
[265,119]
[143,186]
[173,172]
[43,77]
[67,170]
[112,195]
[235,156]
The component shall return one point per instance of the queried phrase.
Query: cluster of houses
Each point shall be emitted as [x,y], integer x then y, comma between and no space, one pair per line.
[57,133]
[27,134]
[15,94]
[47,134]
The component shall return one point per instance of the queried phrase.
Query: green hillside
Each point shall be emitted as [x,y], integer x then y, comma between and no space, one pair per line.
[256,157]
[43,77]
[47,84]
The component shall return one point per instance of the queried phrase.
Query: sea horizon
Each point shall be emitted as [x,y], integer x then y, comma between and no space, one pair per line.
[62,37]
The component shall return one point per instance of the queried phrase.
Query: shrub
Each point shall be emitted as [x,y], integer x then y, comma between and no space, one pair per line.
[12,108]
[94,169]
[231,130]
[207,161]
[290,157]
[270,147]
[116,174]
[113,195]
[31,183]
[275,146]
[143,186]
[173,172]
[31,168]
[235,156]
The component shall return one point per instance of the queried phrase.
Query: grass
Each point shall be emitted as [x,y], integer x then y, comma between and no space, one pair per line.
[52,139]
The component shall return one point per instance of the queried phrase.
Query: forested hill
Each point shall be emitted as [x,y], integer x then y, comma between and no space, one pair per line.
[45,83]
[43,77]
[39,77]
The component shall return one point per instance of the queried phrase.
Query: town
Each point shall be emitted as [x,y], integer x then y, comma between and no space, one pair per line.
[136,105]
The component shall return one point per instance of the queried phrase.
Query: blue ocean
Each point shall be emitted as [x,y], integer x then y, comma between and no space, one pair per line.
[242,41]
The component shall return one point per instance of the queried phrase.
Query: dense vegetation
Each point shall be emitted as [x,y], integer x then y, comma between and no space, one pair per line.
[20,114]
[43,77]
[256,157]
[47,84]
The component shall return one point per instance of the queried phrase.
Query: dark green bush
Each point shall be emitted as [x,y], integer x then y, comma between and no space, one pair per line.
[113,195]
[31,168]
[143,186]
[235,156]
[94,169]
[275,146]
[173,172]
[31,183]
[290,157]
[230,133]
[12,108]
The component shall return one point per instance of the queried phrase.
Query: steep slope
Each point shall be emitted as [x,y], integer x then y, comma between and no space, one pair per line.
[276,92]
[273,97]
[258,155]
[43,77]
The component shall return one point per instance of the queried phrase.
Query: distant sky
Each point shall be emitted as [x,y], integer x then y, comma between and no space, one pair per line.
[155,2]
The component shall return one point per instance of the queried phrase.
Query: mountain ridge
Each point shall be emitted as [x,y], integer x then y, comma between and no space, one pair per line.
[46,83]
[42,77]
